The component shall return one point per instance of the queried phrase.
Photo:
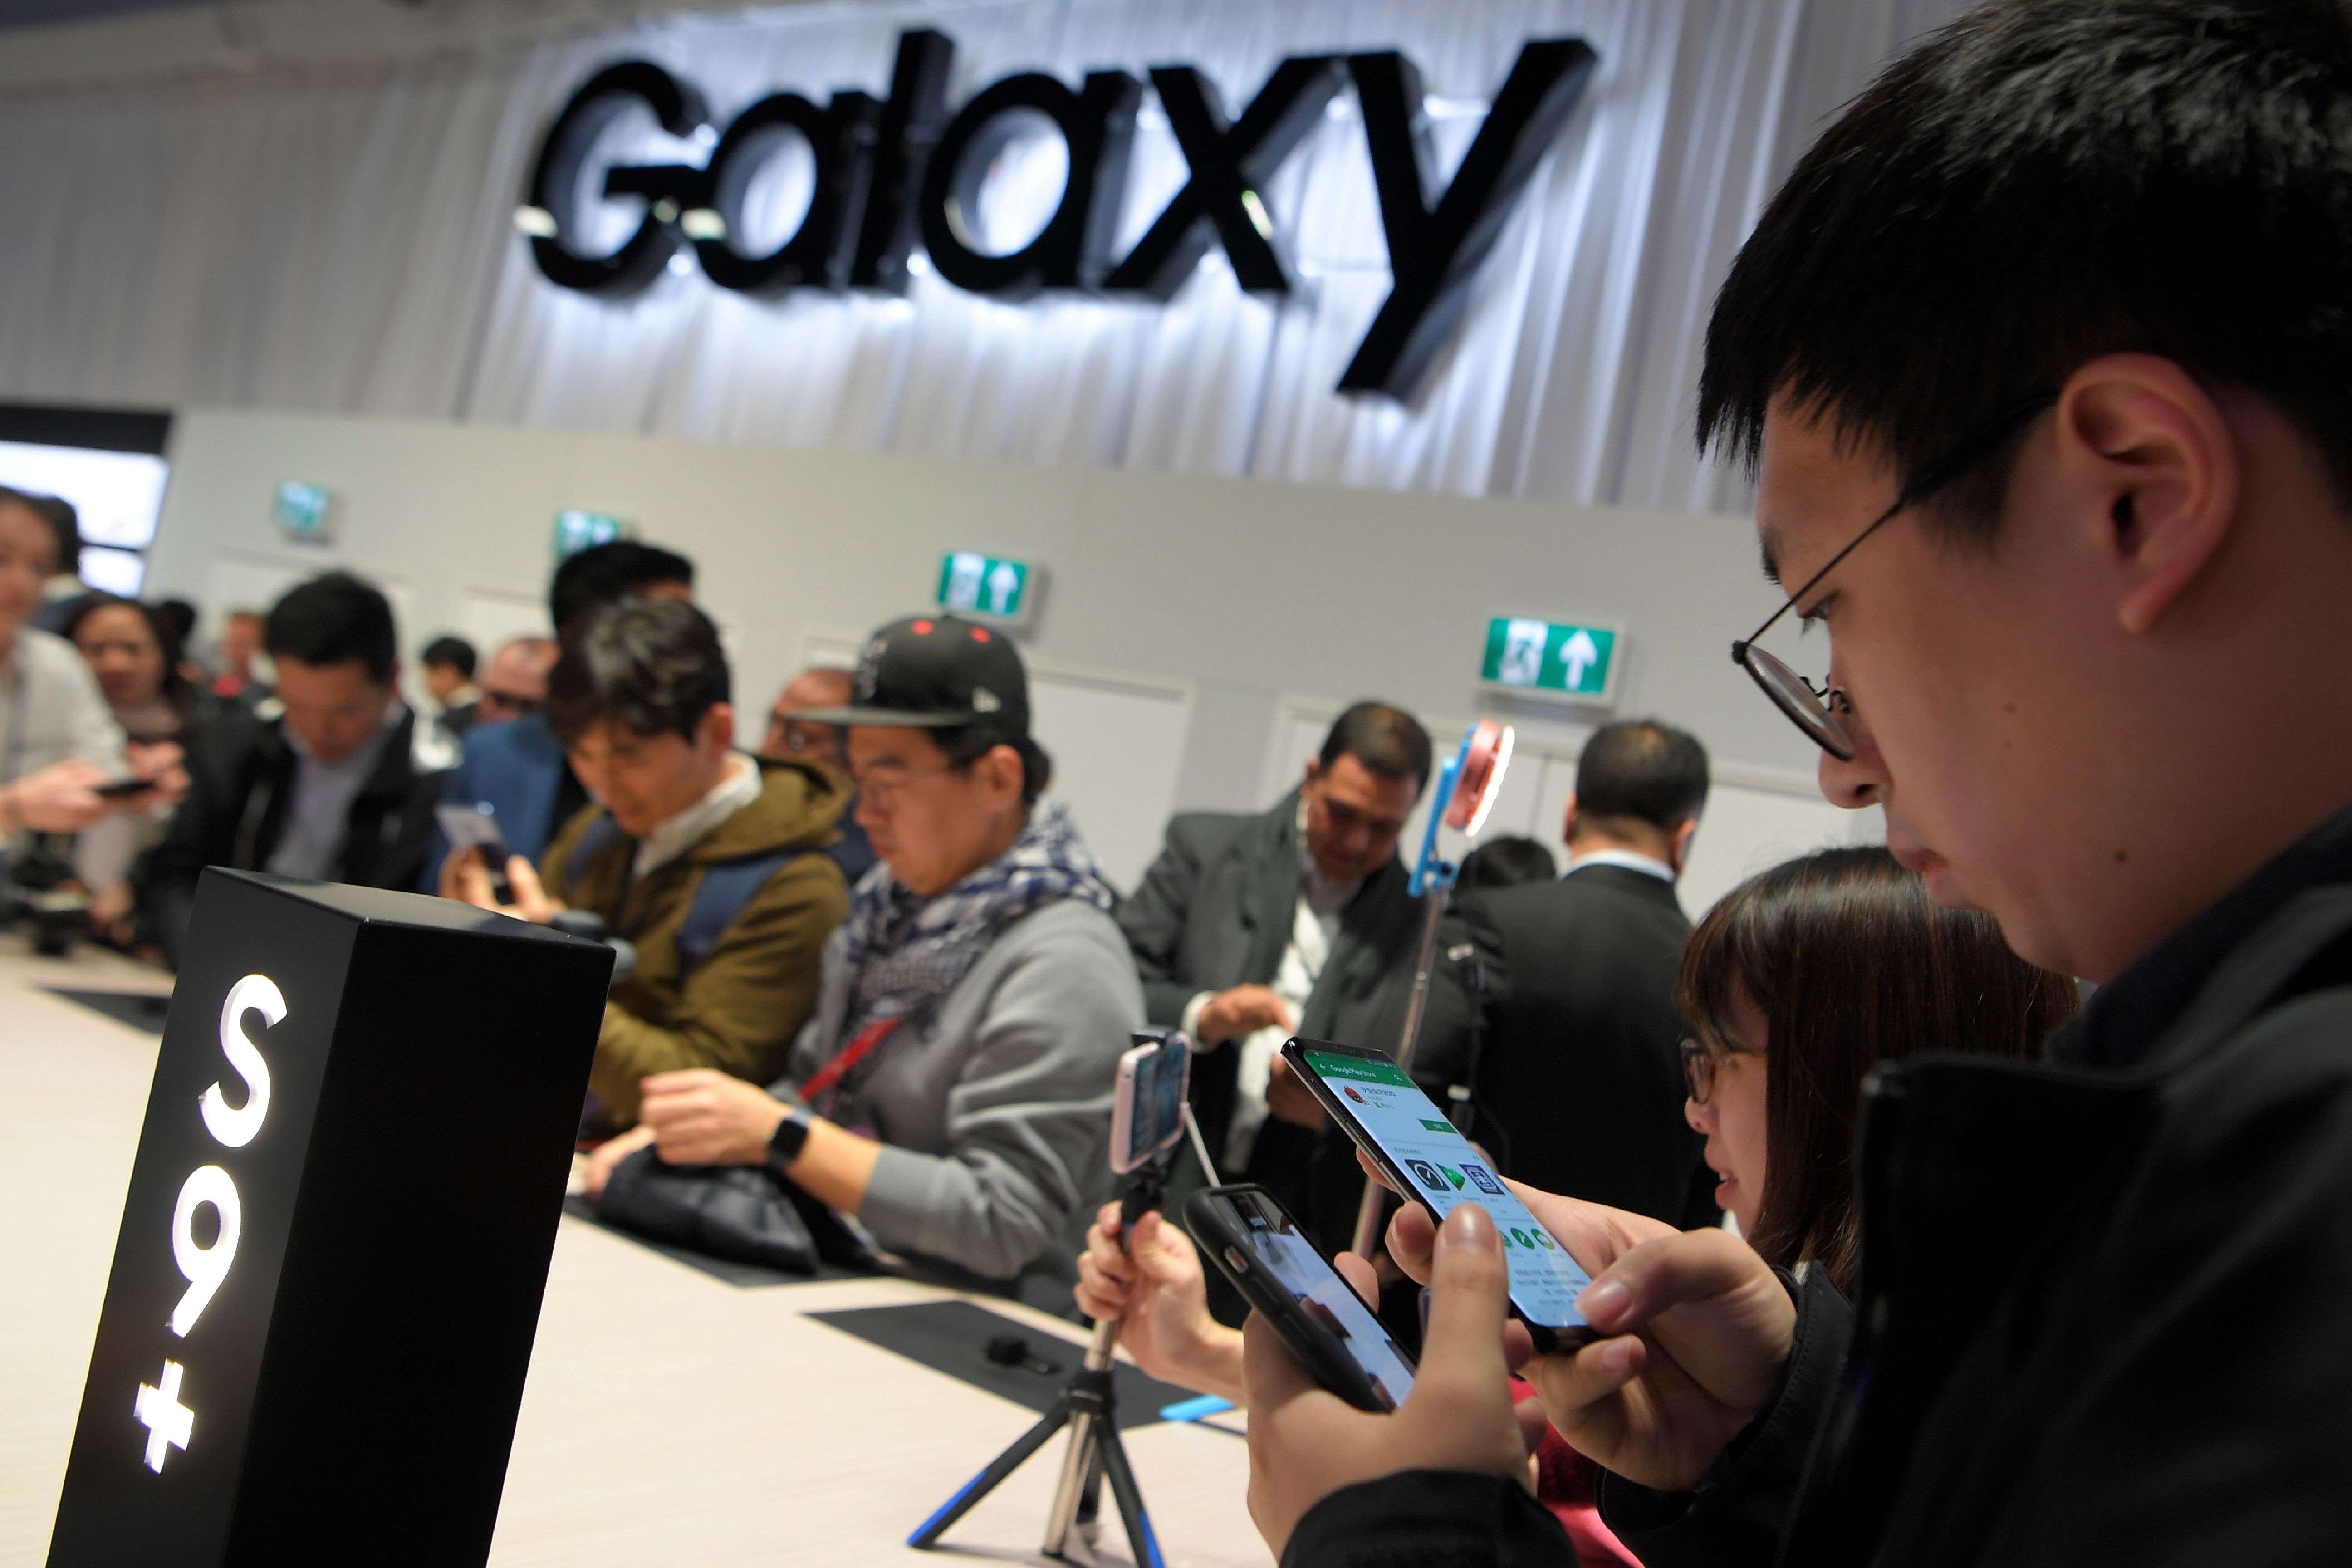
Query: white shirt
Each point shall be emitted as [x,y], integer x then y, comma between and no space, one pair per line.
[1314,926]
[738,787]
[1648,866]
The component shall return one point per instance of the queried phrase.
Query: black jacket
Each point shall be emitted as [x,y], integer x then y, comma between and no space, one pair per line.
[1564,994]
[2104,1298]
[240,774]
[1216,910]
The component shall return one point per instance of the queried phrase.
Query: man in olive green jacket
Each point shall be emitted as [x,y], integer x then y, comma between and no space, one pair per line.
[712,864]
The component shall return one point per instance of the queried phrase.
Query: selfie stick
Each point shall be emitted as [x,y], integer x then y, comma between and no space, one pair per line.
[1089,1407]
[1467,784]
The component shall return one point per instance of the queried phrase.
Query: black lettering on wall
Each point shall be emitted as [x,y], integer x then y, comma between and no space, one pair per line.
[903,137]
[817,254]
[1433,253]
[563,158]
[1097,122]
[1230,165]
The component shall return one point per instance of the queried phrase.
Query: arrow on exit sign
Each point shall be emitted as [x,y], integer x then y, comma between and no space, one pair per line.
[1553,659]
[987,587]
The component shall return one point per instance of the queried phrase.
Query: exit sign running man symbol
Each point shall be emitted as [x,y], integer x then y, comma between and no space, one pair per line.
[168,1422]
[1551,658]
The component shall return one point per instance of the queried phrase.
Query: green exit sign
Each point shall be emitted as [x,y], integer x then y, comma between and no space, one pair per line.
[1553,659]
[300,509]
[987,587]
[579,531]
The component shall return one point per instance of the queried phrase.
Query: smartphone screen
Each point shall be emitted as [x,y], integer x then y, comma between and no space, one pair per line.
[1445,1170]
[471,828]
[1282,1252]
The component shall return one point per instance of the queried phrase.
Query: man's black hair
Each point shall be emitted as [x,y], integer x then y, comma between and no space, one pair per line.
[455,652]
[1506,862]
[1389,740]
[967,744]
[604,573]
[654,667]
[330,619]
[1639,770]
[2042,182]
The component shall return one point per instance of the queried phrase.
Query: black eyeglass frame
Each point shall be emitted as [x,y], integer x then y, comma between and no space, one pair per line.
[1816,711]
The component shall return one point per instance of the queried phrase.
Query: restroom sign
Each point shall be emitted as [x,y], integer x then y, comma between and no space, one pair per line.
[986,587]
[1558,660]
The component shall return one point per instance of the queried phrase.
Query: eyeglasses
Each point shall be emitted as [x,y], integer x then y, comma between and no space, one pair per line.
[1700,1064]
[1815,710]
[882,788]
[506,703]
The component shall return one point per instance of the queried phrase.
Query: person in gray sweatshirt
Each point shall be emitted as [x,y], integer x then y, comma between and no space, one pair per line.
[953,1092]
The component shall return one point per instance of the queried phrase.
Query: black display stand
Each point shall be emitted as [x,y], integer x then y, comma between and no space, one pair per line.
[1089,1407]
[336,1234]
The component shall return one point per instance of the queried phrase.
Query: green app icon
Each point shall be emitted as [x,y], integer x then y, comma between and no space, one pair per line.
[1456,1177]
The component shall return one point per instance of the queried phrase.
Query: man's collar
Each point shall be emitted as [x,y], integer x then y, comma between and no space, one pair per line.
[1628,860]
[2125,1019]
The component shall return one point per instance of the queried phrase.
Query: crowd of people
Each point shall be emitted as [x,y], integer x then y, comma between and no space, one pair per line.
[1901,1251]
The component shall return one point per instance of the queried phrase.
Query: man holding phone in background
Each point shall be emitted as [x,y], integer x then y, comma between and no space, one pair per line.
[332,779]
[2043,352]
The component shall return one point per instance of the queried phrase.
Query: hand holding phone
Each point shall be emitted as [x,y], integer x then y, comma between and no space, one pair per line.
[1254,1241]
[1423,1156]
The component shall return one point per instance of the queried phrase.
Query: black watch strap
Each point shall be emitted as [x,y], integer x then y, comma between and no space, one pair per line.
[789,1138]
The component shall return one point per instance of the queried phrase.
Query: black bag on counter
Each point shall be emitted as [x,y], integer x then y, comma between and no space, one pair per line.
[744,1214]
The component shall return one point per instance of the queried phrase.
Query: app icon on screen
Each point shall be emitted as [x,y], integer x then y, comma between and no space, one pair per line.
[1484,1178]
[1426,1174]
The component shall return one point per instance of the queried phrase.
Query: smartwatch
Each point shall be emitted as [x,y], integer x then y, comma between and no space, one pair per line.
[791,1137]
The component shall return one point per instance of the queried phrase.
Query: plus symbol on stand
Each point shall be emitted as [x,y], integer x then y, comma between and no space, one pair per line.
[168,1422]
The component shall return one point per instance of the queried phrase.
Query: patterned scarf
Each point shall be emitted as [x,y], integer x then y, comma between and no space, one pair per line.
[908,951]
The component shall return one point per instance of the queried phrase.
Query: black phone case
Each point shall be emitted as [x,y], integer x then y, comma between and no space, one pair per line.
[1547,1337]
[1321,1354]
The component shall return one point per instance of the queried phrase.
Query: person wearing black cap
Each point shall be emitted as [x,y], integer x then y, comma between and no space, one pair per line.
[953,1092]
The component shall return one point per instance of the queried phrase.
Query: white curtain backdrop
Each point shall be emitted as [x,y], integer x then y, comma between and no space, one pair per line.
[340,238]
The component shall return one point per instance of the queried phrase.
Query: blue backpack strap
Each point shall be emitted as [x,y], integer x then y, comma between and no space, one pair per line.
[718,900]
[601,832]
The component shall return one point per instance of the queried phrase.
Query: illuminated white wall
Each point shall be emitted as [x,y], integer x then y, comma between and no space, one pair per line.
[1193,640]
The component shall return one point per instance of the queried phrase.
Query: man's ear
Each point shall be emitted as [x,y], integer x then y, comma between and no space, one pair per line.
[715,736]
[2143,436]
[1001,768]
[1568,823]
[1678,845]
[1314,772]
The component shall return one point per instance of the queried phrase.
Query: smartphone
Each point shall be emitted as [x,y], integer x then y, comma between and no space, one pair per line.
[1253,1240]
[476,827]
[1147,1107]
[1424,1156]
[122,789]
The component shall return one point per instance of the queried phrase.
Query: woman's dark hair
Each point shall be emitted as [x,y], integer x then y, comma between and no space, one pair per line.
[653,666]
[1851,963]
[967,744]
[176,689]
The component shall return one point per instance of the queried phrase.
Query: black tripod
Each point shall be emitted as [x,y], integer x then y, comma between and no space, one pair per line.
[1088,1407]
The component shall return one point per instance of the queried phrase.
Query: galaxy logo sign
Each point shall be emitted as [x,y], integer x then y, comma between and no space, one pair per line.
[891,176]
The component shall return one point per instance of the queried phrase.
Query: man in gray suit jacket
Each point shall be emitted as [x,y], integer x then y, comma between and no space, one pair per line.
[1249,929]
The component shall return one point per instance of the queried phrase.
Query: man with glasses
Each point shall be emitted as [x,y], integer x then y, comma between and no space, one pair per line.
[709,863]
[2040,355]
[1250,929]
[794,737]
[516,683]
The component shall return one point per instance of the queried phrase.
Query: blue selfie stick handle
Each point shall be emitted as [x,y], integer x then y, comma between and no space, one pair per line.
[1430,868]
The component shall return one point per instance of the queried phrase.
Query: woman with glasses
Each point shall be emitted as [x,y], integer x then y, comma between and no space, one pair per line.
[1799,983]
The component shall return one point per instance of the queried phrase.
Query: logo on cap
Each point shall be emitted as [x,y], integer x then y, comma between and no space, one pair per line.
[869,667]
[983,701]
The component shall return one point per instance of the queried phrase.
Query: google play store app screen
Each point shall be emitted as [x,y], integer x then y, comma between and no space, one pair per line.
[1545,1281]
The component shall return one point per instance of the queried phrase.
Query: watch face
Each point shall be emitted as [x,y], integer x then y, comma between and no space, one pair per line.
[789,1137]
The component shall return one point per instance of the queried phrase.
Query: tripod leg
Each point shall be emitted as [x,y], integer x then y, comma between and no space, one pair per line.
[1090,1499]
[928,1533]
[1130,1496]
[1077,1466]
